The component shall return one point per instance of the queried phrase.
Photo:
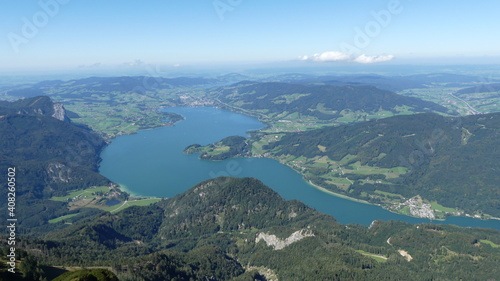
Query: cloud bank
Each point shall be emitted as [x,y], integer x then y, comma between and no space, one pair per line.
[333,56]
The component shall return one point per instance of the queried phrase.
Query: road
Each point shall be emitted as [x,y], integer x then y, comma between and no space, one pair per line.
[474,111]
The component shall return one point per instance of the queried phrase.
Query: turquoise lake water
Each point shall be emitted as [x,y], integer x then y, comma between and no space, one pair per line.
[151,163]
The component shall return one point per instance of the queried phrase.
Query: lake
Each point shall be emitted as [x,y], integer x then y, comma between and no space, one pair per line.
[151,163]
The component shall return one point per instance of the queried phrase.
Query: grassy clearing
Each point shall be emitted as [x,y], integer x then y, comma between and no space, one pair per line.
[89,193]
[347,159]
[341,183]
[264,140]
[96,198]
[126,204]
[490,243]
[56,220]
[376,257]
[405,211]
[390,173]
[257,148]
[436,206]
[336,180]
[318,164]
[322,148]
[324,160]
[220,149]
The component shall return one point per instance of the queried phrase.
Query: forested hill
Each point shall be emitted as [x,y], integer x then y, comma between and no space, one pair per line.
[50,156]
[483,88]
[239,229]
[453,161]
[323,102]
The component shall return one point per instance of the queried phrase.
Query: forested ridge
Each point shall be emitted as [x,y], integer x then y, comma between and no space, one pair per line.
[50,157]
[211,232]
[451,160]
[482,88]
[321,101]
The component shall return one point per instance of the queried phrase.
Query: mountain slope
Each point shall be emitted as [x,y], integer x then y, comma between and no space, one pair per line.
[232,229]
[38,106]
[50,156]
[55,153]
[273,97]
[313,106]
[449,160]
[482,88]
[229,205]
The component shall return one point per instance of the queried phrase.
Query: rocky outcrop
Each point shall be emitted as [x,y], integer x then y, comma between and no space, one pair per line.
[268,273]
[36,106]
[60,112]
[278,244]
[59,172]
[405,255]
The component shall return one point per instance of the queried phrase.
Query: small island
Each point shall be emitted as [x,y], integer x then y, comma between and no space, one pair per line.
[226,148]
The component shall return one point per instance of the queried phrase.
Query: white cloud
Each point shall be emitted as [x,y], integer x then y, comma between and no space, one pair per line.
[373,59]
[327,56]
[333,56]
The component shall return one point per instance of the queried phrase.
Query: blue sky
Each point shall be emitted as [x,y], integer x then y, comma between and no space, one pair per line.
[72,33]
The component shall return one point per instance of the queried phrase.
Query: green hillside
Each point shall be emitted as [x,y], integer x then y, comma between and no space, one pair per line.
[50,156]
[449,160]
[292,107]
[239,229]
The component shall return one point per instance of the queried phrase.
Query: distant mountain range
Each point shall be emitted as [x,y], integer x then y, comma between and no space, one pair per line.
[92,85]
[390,83]
[141,83]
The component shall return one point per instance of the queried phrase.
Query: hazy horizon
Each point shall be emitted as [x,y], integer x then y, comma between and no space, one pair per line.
[95,36]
